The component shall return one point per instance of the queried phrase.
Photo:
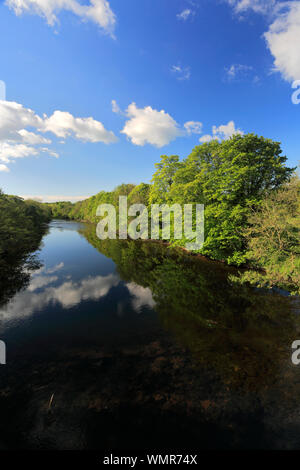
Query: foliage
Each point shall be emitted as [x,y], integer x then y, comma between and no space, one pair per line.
[273,238]
[86,210]
[140,195]
[230,178]
[22,225]
[163,179]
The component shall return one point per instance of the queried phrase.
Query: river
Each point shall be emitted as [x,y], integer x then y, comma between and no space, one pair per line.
[133,345]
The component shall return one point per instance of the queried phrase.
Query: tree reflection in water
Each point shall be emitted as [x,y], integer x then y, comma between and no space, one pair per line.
[243,333]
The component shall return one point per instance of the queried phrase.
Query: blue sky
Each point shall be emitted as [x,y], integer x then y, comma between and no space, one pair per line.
[177,71]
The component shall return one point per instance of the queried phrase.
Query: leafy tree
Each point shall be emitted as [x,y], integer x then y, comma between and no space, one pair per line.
[163,179]
[273,238]
[22,225]
[140,195]
[230,178]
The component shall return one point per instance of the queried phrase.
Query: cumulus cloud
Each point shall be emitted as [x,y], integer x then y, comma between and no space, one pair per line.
[17,141]
[15,117]
[67,295]
[142,296]
[193,127]
[55,268]
[158,128]
[149,126]
[97,11]
[11,151]
[115,107]
[2,90]
[4,168]
[54,198]
[41,281]
[31,138]
[181,73]
[283,40]
[238,72]
[206,138]
[258,6]
[63,124]
[223,132]
[185,14]
[283,35]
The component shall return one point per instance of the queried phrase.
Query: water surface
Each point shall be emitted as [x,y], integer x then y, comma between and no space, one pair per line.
[133,345]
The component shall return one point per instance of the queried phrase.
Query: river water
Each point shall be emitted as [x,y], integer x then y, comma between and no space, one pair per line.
[133,345]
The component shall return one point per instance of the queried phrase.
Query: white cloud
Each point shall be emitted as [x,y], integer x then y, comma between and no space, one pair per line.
[147,125]
[12,151]
[283,39]
[55,268]
[181,73]
[193,127]
[49,152]
[238,71]
[206,138]
[41,281]
[16,141]
[258,6]
[97,11]
[53,198]
[13,118]
[31,138]
[142,296]
[283,35]
[63,124]
[67,295]
[226,131]
[185,14]
[2,90]
[115,107]
[4,168]
[223,132]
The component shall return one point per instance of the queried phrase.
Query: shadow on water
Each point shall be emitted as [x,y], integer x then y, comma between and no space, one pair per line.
[134,345]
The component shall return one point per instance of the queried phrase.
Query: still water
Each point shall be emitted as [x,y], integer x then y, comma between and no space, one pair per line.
[133,345]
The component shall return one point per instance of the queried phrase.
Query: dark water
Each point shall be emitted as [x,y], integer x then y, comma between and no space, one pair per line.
[132,345]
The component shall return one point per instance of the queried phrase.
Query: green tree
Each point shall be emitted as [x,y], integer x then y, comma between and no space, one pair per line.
[163,179]
[140,195]
[273,239]
[22,225]
[230,178]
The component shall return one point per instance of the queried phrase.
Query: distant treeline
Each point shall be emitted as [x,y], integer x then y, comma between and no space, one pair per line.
[251,199]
